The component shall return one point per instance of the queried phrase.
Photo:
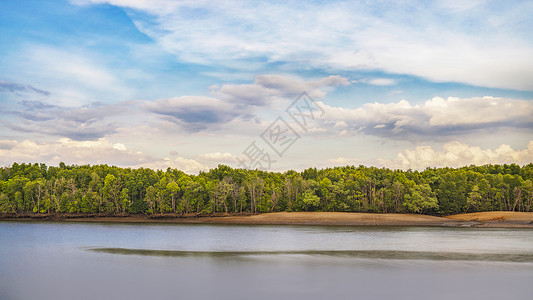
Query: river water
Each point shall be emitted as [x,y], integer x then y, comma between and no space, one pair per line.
[181,261]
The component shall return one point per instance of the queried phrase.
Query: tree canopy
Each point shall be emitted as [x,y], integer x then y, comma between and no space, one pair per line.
[37,188]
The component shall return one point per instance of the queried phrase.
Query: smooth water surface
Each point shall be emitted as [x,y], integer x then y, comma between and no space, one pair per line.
[179,261]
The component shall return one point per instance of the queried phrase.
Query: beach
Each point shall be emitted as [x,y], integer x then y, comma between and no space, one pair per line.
[483,219]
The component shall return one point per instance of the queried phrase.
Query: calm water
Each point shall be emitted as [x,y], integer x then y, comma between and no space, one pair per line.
[140,261]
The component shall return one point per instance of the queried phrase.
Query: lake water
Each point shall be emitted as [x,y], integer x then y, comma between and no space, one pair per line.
[179,261]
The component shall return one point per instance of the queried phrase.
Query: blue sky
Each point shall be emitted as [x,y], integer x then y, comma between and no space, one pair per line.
[191,84]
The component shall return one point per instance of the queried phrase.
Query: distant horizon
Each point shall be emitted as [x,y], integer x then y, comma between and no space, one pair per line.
[268,171]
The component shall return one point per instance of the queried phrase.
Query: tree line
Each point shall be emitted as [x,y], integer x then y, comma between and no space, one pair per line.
[37,188]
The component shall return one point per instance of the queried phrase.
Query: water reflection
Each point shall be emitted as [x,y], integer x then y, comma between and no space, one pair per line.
[367,254]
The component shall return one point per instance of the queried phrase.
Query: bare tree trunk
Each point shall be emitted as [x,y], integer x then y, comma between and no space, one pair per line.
[173,203]
[275,199]
[518,196]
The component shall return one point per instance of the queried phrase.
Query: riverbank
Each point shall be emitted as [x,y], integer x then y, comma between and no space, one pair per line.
[483,219]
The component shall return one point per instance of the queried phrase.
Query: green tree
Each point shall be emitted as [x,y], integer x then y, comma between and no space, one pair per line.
[420,199]
[111,192]
[6,206]
[151,198]
[26,188]
[174,190]
[474,198]
[125,199]
[310,200]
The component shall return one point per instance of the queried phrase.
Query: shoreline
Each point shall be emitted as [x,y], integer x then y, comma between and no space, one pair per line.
[498,219]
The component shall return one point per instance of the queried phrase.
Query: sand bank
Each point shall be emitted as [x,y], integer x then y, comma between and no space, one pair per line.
[484,219]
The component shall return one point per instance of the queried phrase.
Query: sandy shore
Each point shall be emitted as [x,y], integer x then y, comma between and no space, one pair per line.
[497,218]
[331,218]
[484,219]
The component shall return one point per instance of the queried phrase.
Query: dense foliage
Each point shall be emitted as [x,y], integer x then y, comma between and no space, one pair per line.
[37,188]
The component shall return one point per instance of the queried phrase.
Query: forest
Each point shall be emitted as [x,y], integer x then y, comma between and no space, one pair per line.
[102,189]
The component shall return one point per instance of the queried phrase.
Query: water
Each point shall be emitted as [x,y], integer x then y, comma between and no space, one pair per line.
[179,261]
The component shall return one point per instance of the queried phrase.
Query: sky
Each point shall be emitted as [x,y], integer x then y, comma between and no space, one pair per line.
[274,85]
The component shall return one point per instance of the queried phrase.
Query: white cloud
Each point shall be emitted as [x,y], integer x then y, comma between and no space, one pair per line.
[379,81]
[454,111]
[197,110]
[229,106]
[473,43]
[343,161]
[268,87]
[436,117]
[69,151]
[456,154]
[218,157]
[101,151]
[71,75]
[186,165]
[88,122]
[119,146]
[239,101]
[395,92]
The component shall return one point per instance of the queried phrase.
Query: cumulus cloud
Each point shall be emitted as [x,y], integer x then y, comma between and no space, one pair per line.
[69,151]
[193,112]
[233,101]
[186,165]
[456,154]
[268,87]
[228,103]
[475,43]
[101,151]
[456,111]
[436,117]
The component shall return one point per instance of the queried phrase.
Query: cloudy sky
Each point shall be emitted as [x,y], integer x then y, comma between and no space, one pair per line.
[193,84]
